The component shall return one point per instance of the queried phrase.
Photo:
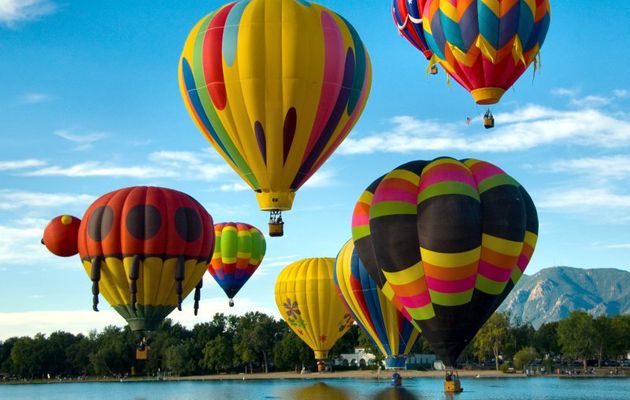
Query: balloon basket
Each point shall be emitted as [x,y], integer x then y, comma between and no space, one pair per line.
[276,225]
[142,354]
[453,386]
[321,366]
[488,122]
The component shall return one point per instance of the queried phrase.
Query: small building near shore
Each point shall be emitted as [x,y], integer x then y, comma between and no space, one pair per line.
[360,358]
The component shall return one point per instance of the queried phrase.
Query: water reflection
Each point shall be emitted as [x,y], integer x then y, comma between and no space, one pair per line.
[395,393]
[317,391]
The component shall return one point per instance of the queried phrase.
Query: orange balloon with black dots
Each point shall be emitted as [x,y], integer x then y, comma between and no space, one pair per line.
[60,235]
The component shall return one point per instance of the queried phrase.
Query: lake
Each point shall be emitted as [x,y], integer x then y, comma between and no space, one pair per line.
[335,389]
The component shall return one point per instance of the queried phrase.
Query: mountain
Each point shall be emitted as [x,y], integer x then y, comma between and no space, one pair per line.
[552,293]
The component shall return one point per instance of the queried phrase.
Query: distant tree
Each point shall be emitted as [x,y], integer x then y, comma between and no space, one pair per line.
[620,332]
[177,358]
[78,356]
[29,357]
[346,344]
[115,350]
[492,337]
[524,357]
[255,334]
[546,339]
[576,336]
[520,336]
[291,352]
[6,365]
[603,339]
[218,354]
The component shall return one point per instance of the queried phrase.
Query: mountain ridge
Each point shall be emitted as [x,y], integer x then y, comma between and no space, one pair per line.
[552,293]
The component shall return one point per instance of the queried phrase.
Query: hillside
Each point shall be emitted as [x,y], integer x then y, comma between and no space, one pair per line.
[552,293]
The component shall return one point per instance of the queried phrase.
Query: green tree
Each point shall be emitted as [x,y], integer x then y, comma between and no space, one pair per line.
[520,336]
[115,350]
[492,337]
[29,357]
[291,352]
[603,338]
[576,335]
[546,339]
[255,334]
[620,332]
[218,354]
[366,343]
[178,359]
[524,357]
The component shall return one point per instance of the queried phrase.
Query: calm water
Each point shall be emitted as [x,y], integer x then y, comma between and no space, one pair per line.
[342,389]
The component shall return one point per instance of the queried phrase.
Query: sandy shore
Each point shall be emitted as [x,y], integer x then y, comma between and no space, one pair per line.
[368,374]
[364,375]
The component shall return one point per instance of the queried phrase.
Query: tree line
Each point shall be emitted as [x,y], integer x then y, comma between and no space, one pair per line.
[256,342]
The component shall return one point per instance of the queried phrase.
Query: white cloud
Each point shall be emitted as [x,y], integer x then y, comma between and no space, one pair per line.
[615,167]
[618,246]
[20,243]
[20,164]
[14,199]
[321,178]
[35,98]
[589,200]
[620,93]
[523,129]
[565,92]
[13,12]
[234,187]
[163,164]
[84,141]
[83,321]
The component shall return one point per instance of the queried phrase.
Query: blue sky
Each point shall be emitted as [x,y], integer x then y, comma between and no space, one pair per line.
[89,103]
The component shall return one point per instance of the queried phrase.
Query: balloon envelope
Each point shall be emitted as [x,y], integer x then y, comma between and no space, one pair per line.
[452,238]
[238,252]
[306,298]
[145,249]
[275,86]
[392,333]
[408,18]
[486,45]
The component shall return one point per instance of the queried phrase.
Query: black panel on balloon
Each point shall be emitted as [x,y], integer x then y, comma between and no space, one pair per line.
[143,221]
[188,224]
[100,223]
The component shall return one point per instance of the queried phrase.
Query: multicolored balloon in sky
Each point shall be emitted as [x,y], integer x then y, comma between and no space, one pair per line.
[144,248]
[391,332]
[408,18]
[451,238]
[307,299]
[238,252]
[485,45]
[275,86]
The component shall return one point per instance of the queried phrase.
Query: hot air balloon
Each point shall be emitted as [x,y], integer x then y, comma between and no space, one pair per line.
[407,16]
[485,45]
[307,299]
[145,249]
[238,251]
[275,86]
[452,238]
[392,333]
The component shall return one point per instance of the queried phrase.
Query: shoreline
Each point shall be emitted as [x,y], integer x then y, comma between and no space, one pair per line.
[313,376]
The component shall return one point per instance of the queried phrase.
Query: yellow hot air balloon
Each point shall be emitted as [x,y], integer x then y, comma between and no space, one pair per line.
[308,301]
[275,86]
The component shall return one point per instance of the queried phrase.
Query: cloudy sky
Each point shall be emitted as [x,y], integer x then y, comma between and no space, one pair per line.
[89,103]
